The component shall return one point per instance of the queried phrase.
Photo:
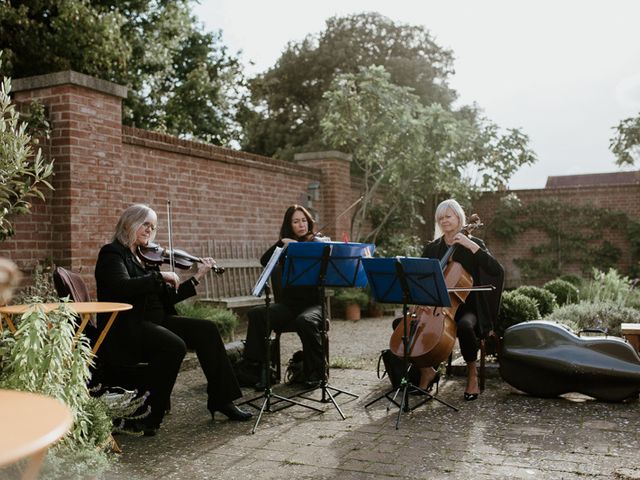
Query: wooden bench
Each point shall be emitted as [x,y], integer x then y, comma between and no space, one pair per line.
[241,261]
[631,331]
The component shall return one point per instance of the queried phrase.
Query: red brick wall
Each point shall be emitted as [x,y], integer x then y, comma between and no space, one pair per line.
[621,198]
[85,134]
[216,193]
[101,167]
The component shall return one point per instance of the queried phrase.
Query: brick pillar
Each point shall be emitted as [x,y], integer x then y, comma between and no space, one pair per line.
[335,192]
[86,143]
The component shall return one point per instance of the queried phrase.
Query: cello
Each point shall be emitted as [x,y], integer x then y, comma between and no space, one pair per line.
[432,330]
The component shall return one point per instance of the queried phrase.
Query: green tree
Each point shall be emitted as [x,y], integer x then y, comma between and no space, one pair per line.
[43,36]
[407,152]
[182,80]
[625,145]
[23,173]
[286,117]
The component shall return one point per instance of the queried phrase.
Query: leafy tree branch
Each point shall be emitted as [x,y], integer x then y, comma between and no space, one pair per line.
[23,174]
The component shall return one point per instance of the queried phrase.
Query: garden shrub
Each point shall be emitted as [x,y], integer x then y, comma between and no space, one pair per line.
[605,315]
[574,280]
[41,289]
[42,358]
[564,291]
[345,296]
[399,244]
[225,320]
[610,287]
[545,300]
[515,308]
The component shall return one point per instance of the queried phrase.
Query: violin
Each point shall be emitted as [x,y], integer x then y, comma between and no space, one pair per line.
[154,254]
[314,237]
[432,330]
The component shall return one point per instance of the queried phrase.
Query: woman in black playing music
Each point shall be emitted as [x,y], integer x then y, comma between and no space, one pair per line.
[152,332]
[298,310]
[474,318]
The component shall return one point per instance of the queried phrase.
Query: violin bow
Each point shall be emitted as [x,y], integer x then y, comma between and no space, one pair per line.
[172,260]
[343,212]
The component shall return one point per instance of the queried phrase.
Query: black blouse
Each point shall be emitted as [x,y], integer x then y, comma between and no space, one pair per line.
[485,270]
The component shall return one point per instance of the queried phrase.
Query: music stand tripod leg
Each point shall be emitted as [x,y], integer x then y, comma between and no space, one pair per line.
[324,386]
[268,392]
[407,339]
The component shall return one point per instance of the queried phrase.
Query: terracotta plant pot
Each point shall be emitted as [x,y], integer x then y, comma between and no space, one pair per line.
[352,311]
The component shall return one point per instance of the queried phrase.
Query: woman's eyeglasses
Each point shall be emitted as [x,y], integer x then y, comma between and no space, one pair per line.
[149,226]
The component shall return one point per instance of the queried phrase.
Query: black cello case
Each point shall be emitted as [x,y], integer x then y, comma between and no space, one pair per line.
[546,359]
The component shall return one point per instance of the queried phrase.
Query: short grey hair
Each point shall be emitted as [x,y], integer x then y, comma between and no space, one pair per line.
[442,208]
[129,223]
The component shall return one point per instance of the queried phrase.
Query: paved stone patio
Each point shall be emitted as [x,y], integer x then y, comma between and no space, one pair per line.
[504,434]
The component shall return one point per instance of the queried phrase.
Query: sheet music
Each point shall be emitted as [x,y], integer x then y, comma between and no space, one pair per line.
[266,273]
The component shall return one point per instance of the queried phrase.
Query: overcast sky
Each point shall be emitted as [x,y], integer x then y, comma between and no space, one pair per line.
[564,71]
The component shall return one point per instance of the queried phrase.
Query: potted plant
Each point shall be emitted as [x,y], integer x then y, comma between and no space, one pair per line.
[353,300]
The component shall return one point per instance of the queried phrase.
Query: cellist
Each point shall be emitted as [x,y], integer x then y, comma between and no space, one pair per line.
[474,318]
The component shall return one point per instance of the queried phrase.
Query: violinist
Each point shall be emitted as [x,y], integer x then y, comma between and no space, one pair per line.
[152,332]
[474,318]
[298,310]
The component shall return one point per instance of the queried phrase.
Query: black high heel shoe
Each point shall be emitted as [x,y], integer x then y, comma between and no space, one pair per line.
[469,397]
[434,381]
[232,412]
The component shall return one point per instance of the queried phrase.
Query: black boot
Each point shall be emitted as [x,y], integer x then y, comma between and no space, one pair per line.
[262,383]
[232,412]
[248,373]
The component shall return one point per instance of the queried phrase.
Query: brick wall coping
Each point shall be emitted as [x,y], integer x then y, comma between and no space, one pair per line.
[577,188]
[169,143]
[330,154]
[68,77]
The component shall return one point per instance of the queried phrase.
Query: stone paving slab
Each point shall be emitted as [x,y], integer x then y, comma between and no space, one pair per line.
[504,434]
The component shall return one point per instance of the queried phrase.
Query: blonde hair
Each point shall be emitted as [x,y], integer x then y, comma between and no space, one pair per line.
[440,211]
[129,223]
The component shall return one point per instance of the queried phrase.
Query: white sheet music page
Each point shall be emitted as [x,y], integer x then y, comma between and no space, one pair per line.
[266,273]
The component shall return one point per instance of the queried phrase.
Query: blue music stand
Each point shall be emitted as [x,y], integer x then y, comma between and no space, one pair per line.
[326,264]
[260,286]
[407,280]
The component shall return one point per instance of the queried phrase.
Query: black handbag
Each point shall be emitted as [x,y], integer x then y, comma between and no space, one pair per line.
[394,369]
[295,369]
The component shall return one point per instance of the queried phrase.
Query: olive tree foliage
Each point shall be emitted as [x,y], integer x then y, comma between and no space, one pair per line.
[408,152]
[285,114]
[625,145]
[181,79]
[23,174]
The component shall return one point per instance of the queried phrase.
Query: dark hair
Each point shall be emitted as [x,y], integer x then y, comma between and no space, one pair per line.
[286,231]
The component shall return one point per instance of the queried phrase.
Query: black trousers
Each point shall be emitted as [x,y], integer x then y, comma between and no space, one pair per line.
[163,345]
[466,332]
[306,323]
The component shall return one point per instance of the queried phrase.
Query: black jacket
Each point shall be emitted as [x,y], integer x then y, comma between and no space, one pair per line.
[121,278]
[485,270]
